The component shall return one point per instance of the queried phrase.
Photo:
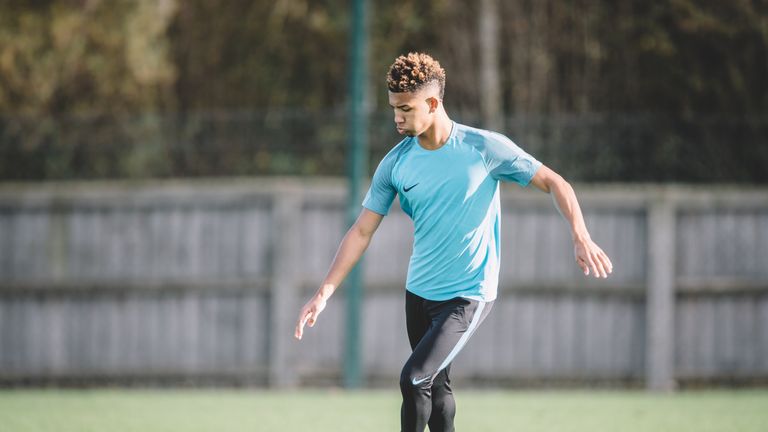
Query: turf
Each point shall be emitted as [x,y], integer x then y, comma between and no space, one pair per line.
[321,410]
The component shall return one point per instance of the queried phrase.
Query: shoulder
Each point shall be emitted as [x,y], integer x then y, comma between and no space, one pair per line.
[488,143]
[479,137]
[391,158]
[402,147]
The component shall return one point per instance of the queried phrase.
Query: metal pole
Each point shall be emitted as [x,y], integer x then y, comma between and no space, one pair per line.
[358,155]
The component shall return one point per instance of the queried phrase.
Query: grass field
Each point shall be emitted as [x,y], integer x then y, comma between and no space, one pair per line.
[320,411]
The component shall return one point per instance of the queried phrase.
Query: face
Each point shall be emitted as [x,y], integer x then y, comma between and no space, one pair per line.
[414,111]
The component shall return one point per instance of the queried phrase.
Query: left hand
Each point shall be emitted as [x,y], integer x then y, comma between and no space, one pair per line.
[589,256]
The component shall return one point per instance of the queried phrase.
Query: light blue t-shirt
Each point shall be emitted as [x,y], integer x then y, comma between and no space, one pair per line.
[452,195]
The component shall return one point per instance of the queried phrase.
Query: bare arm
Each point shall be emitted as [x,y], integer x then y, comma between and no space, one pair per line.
[588,254]
[352,246]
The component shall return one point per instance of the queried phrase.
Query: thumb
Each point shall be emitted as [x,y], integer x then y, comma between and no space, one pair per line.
[584,266]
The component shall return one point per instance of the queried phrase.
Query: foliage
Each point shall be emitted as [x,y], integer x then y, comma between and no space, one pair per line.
[148,88]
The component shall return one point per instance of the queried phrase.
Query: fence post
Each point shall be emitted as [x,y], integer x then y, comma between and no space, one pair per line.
[660,297]
[285,283]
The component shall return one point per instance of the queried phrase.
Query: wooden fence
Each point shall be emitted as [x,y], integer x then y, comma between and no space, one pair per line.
[202,281]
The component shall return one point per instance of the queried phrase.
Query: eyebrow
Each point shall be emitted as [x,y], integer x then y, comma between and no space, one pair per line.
[400,106]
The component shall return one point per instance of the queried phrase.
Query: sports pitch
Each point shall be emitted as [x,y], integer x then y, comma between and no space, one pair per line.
[328,410]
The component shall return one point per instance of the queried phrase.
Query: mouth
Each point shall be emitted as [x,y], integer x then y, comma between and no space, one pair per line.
[400,130]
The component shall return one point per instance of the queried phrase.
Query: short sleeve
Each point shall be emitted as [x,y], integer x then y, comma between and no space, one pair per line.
[382,192]
[508,162]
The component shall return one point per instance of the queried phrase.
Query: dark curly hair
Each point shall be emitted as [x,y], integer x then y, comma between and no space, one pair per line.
[413,71]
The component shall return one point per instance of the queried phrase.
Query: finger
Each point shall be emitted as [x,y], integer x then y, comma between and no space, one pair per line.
[593,266]
[299,330]
[599,264]
[300,326]
[583,265]
[601,270]
[297,333]
[313,318]
[607,261]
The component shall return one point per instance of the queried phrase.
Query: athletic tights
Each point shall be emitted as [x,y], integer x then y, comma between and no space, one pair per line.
[437,331]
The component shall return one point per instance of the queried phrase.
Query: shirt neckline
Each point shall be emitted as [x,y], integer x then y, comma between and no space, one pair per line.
[450,137]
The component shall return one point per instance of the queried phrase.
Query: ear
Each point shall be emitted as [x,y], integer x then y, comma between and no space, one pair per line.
[433,103]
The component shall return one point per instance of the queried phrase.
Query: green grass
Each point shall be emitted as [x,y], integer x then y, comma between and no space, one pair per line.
[319,411]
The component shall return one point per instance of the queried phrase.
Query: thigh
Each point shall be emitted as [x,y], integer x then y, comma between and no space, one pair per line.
[417,320]
[452,323]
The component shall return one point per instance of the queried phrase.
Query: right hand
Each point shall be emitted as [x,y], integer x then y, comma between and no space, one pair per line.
[308,315]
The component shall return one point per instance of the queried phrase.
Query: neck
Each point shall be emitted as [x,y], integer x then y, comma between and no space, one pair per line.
[436,135]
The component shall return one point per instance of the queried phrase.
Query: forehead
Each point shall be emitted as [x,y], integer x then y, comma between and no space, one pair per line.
[402,98]
[413,97]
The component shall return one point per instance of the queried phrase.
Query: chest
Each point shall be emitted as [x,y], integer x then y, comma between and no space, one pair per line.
[440,177]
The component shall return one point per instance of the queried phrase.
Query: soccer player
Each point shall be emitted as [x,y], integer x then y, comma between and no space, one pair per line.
[447,178]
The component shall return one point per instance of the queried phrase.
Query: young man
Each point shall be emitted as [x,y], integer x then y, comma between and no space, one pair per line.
[447,178]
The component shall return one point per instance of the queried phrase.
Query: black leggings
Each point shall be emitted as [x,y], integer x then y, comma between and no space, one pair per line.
[437,331]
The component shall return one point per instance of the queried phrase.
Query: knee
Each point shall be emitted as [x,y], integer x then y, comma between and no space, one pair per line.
[411,380]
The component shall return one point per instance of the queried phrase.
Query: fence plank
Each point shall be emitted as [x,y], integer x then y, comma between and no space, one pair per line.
[661,286]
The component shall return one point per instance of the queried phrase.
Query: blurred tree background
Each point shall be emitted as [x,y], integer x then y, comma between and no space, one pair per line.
[670,90]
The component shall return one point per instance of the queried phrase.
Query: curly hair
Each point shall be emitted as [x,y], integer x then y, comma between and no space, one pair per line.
[413,71]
